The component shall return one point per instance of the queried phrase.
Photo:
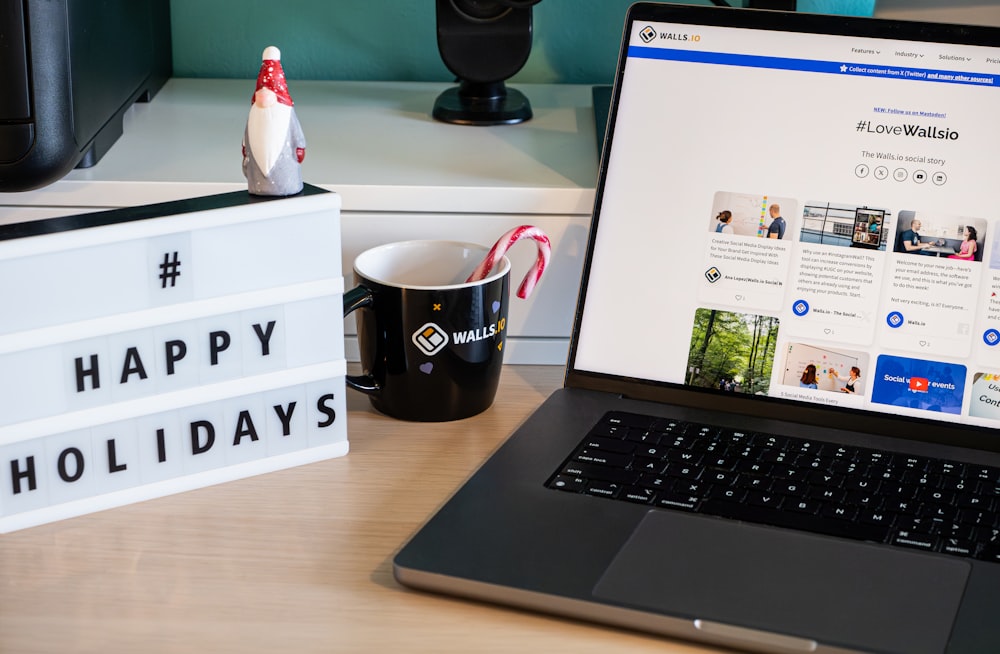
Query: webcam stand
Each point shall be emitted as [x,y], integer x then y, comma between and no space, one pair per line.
[482,103]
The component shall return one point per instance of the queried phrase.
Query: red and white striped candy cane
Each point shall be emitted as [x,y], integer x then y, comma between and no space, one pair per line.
[500,249]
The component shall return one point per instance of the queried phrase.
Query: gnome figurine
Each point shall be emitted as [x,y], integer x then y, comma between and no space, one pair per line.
[273,143]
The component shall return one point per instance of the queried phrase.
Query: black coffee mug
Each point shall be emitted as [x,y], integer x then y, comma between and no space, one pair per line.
[431,343]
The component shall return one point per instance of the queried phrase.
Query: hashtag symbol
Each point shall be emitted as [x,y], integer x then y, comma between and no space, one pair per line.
[862,125]
[170,270]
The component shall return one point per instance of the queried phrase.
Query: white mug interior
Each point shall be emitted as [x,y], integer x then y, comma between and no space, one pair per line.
[426,264]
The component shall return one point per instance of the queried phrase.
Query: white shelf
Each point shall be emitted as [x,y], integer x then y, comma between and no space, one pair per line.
[401,175]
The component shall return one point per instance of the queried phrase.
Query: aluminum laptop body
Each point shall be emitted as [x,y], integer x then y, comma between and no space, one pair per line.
[795,236]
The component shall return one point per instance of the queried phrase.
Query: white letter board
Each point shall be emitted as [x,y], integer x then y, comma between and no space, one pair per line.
[152,350]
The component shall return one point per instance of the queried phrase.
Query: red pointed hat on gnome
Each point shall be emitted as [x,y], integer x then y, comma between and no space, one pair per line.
[272,76]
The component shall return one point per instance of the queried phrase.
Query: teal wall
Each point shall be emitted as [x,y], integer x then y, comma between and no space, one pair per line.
[575,41]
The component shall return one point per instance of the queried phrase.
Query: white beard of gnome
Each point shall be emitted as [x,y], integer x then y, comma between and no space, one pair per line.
[267,129]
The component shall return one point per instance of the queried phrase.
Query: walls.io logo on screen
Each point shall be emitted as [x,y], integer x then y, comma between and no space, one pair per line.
[648,34]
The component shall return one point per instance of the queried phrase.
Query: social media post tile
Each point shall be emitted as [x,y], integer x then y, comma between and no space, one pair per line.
[820,373]
[984,398]
[752,215]
[846,224]
[930,298]
[732,352]
[919,386]
[928,308]
[747,251]
[837,273]
[986,335]
[941,235]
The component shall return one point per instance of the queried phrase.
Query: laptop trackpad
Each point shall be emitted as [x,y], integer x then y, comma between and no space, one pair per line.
[836,592]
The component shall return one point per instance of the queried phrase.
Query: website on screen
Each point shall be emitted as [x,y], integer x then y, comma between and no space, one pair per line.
[808,217]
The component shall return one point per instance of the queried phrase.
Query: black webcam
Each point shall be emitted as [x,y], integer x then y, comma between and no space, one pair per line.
[483,42]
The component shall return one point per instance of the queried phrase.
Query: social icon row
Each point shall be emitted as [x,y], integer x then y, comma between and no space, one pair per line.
[938,178]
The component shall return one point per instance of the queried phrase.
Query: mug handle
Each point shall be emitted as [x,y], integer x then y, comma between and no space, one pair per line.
[354,299]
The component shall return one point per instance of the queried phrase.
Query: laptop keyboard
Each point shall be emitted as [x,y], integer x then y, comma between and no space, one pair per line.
[921,503]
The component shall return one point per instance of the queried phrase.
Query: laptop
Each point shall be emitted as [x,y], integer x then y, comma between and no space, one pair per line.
[778,427]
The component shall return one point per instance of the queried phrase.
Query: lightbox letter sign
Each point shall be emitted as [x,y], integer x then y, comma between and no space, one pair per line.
[157,349]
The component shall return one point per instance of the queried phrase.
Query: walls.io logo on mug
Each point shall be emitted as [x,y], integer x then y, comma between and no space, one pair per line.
[430,338]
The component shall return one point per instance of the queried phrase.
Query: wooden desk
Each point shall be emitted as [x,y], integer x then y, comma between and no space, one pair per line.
[292,561]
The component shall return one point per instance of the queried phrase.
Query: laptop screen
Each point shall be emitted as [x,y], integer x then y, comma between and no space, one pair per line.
[804,217]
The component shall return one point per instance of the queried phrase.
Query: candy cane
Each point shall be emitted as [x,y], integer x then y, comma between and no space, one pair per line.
[503,244]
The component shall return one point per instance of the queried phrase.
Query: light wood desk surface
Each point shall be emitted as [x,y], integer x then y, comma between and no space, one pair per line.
[293,561]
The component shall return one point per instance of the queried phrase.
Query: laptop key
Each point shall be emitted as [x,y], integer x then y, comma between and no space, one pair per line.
[653,481]
[755,467]
[727,494]
[609,431]
[569,483]
[959,484]
[938,512]
[677,442]
[865,500]
[834,495]
[822,478]
[916,540]
[609,445]
[684,471]
[603,488]
[876,517]
[770,441]
[650,451]
[762,499]
[690,487]
[629,419]
[735,436]
[721,477]
[642,436]
[605,458]
[958,547]
[786,487]
[669,426]
[638,494]
[862,484]
[683,456]
[958,531]
[984,474]
[811,507]
[754,482]
[894,491]
[591,471]
[720,462]
[936,496]
[976,517]
[918,525]
[788,472]
[681,501]
[839,512]
[649,466]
